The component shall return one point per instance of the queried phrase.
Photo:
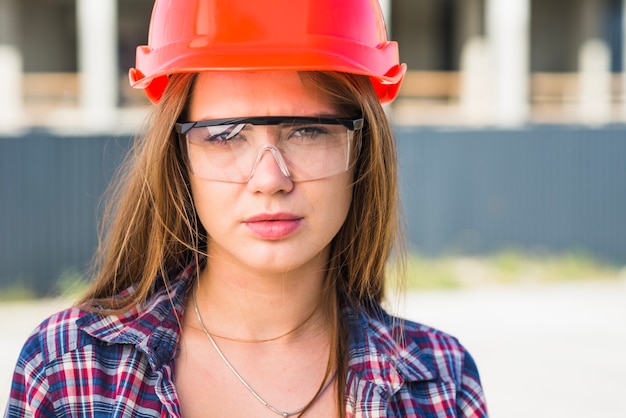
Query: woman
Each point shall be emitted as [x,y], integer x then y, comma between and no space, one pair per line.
[243,269]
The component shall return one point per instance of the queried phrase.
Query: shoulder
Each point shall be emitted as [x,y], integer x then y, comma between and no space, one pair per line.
[77,360]
[45,360]
[140,326]
[60,348]
[451,363]
[416,344]
[422,365]
[74,329]
[393,333]
[65,367]
[431,342]
[428,370]
[55,336]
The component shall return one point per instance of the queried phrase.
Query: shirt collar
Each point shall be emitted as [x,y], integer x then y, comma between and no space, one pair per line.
[154,327]
[379,352]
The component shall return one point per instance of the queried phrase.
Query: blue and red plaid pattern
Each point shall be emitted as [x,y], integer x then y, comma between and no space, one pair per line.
[399,368]
[78,363]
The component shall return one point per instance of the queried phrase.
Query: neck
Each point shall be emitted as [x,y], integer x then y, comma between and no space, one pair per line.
[256,306]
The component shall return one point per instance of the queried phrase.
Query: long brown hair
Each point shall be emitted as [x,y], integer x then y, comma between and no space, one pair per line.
[151,228]
[371,231]
[149,224]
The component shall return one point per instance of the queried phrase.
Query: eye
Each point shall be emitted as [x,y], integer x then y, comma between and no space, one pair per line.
[219,134]
[225,132]
[309,132]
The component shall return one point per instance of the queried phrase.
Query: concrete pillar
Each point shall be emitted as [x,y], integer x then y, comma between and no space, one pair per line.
[475,95]
[476,92]
[97,62]
[11,68]
[624,60]
[508,32]
[11,101]
[594,64]
[468,21]
[9,21]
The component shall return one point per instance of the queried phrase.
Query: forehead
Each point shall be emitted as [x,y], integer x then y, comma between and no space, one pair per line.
[265,93]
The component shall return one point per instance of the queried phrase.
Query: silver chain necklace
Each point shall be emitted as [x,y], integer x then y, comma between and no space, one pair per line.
[272,408]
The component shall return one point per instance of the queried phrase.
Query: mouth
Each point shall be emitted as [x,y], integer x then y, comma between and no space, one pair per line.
[273,217]
[273,226]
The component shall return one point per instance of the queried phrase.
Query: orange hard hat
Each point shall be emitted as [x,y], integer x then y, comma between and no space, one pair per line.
[299,35]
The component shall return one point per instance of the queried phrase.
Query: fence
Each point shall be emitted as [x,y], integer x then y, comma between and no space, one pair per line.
[553,189]
[50,193]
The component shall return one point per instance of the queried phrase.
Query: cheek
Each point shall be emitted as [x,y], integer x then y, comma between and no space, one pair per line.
[336,203]
[326,204]
[210,202]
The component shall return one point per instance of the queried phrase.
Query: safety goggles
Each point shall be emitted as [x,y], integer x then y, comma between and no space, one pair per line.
[305,148]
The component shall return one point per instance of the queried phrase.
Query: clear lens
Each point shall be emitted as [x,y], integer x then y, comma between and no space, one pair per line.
[230,152]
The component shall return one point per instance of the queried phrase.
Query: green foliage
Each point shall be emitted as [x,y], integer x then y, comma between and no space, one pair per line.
[424,273]
[505,267]
[16,292]
[71,283]
[421,273]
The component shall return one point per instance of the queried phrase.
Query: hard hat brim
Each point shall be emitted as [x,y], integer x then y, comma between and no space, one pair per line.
[328,55]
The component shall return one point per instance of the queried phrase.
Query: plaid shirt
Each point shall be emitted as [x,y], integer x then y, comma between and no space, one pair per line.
[78,363]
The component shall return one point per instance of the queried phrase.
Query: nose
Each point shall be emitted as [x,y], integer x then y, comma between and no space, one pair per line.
[268,174]
[277,157]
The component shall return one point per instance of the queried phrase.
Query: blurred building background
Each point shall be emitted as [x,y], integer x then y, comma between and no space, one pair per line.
[510,125]
[472,62]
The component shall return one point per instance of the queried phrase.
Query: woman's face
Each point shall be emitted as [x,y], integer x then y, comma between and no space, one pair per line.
[271,224]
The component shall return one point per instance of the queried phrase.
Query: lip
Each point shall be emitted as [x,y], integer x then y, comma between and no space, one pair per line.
[273,226]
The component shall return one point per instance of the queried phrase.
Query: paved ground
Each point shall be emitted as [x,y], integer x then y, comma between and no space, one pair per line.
[543,351]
